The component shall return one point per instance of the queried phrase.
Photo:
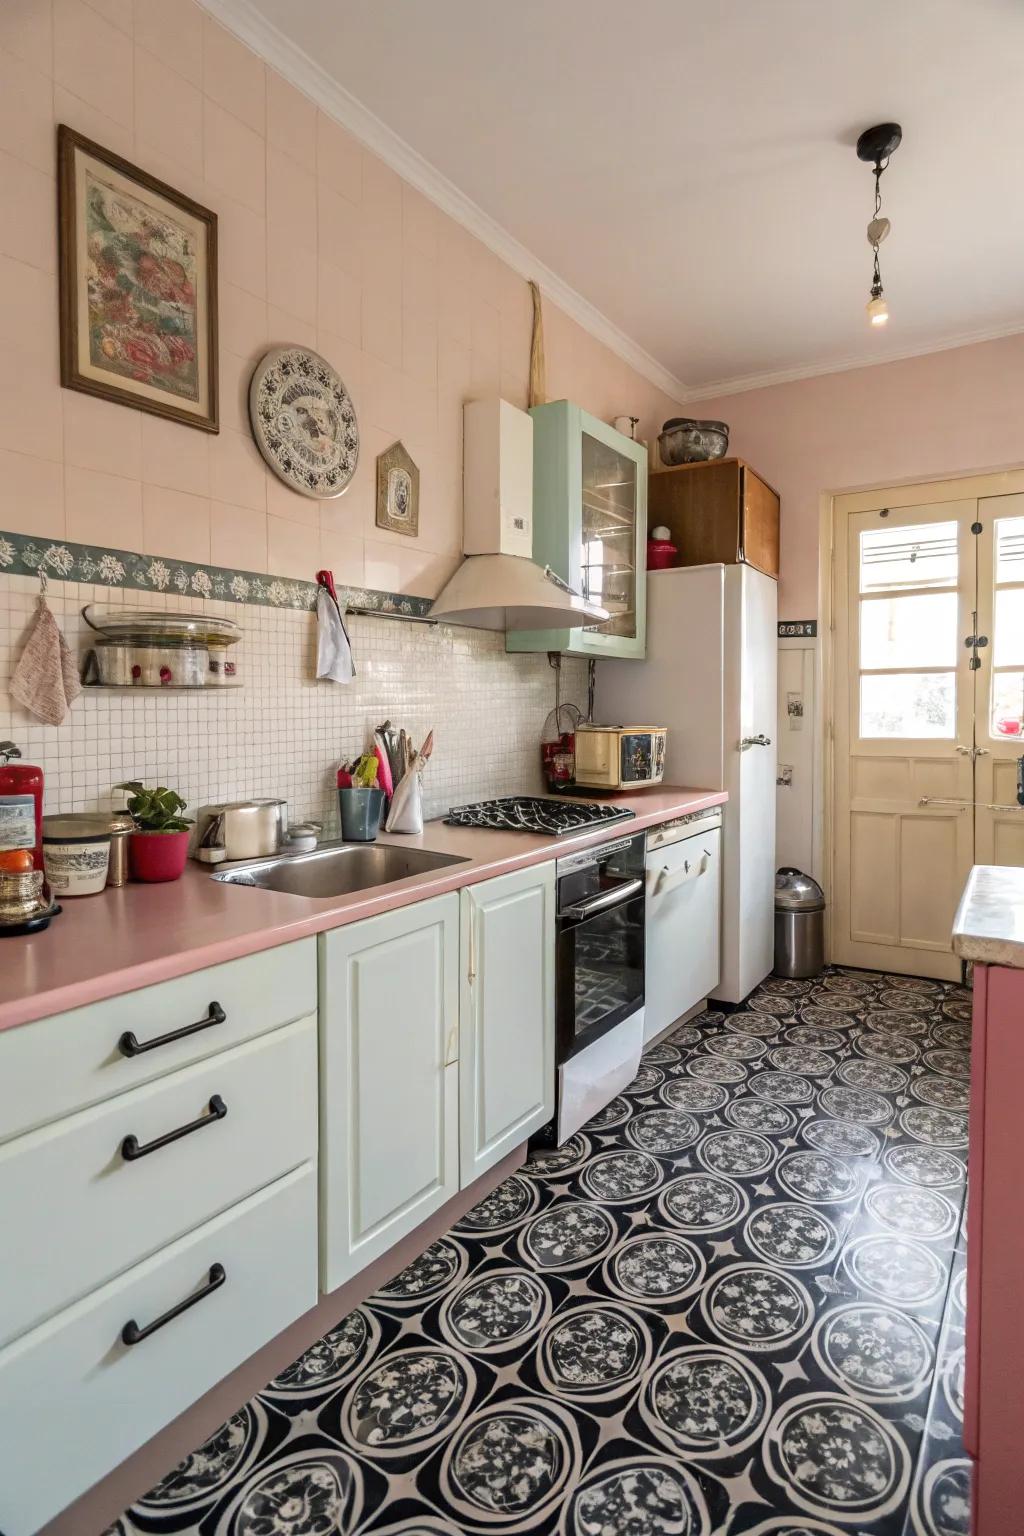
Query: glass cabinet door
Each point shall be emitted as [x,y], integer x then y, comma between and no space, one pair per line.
[608,562]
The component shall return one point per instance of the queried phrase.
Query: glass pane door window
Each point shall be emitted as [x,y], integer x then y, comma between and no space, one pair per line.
[908,627]
[1006,694]
[609,534]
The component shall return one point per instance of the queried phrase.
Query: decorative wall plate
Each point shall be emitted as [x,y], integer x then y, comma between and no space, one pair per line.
[304,421]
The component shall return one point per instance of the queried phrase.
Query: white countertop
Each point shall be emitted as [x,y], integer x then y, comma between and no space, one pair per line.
[989,923]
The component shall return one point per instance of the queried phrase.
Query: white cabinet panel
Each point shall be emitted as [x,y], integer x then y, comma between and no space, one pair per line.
[79,1211]
[684,901]
[75,1399]
[388,1099]
[507,1016]
[69,1060]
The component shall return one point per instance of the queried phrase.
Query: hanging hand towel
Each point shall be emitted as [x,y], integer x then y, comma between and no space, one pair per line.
[45,680]
[333,647]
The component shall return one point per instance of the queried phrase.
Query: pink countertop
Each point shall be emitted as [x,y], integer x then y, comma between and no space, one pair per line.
[103,945]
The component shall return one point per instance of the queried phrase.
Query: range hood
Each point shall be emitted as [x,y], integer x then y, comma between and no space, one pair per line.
[498,586]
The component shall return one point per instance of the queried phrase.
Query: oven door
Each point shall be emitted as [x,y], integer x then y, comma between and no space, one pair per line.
[600,965]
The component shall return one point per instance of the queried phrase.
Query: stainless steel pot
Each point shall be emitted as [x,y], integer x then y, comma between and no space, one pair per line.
[245,829]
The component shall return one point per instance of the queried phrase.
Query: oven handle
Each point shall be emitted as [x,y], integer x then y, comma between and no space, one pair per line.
[606,901]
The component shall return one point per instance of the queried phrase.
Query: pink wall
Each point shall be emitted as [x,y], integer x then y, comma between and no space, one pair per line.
[949,413]
[320,244]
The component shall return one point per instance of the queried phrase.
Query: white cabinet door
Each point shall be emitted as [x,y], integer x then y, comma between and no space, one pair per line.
[388,1080]
[507,1015]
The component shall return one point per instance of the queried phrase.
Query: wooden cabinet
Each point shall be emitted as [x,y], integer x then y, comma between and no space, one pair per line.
[721,512]
[590,527]
[507,1015]
[389,1129]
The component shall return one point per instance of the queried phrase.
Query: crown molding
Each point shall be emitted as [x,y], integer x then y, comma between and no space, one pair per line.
[747,382]
[251,27]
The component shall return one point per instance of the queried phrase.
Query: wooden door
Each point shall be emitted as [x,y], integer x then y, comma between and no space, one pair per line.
[388,1080]
[507,1015]
[904,735]
[999,725]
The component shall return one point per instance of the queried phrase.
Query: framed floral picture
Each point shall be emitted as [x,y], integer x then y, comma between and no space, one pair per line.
[138,287]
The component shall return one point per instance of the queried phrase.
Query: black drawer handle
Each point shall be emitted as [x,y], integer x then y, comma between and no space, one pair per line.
[128,1045]
[131,1333]
[131,1148]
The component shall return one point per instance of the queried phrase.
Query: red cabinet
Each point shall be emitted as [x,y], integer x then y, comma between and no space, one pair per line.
[994,1384]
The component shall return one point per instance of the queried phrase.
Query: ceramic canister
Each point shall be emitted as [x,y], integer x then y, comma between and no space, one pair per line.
[76,853]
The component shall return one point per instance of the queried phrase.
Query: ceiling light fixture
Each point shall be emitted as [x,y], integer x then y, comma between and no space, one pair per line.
[875,146]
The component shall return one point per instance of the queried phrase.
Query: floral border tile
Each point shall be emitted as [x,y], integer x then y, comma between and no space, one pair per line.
[22,555]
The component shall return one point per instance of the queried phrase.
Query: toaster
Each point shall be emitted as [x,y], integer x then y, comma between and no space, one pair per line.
[620,756]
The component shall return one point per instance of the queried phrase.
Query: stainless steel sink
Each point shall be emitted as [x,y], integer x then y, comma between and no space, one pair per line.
[336,870]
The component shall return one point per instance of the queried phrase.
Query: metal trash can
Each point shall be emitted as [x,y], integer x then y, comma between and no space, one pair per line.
[799,924]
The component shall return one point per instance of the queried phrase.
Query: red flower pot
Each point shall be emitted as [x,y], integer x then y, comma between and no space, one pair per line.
[157,855]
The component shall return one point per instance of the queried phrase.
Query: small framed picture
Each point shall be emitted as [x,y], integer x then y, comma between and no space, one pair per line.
[398,491]
[138,287]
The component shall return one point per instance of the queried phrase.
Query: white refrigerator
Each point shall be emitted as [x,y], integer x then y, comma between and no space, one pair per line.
[710,677]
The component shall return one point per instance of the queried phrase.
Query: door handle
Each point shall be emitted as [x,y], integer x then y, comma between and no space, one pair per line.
[606,901]
[755,741]
[132,1148]
[131,1333]
[128,1045]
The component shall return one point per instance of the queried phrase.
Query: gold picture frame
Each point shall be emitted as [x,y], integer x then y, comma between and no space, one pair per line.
[138,286]
[398,491]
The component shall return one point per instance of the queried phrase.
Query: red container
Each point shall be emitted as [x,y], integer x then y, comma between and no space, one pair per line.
[21,804]
[661,552]
[157,856]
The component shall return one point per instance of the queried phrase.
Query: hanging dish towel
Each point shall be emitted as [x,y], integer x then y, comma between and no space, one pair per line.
[45,679]
[333,647]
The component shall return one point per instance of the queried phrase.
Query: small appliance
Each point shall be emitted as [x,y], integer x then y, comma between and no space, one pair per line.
[620,756]
[243,829]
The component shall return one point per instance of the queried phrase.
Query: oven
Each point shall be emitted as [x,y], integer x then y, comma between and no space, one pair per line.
[599,978]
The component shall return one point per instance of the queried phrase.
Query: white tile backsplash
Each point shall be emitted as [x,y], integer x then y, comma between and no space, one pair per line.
[283,733]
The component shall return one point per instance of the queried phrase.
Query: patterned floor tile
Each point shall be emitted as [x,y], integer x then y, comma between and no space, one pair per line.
[731,1304]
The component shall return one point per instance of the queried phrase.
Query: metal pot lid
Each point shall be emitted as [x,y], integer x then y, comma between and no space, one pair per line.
[691,421]
[76,826]
[797,892]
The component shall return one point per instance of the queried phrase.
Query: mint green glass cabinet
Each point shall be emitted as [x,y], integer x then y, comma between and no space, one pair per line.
[590,526]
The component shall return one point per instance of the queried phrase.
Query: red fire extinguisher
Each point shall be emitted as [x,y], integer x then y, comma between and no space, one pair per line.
[21,806]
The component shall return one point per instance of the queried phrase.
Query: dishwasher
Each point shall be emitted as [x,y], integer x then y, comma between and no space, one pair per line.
[684,886]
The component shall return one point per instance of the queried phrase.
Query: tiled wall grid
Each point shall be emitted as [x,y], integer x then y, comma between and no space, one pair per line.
[283,733]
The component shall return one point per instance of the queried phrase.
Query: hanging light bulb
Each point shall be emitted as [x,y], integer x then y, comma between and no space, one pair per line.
[876,145]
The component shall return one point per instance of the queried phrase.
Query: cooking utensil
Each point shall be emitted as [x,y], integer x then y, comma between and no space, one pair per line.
[684,440]
[248,829]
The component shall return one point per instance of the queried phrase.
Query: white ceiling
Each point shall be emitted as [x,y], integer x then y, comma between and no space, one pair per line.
[688,168]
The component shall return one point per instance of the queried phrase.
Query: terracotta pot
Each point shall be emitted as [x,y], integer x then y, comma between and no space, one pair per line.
[157,855]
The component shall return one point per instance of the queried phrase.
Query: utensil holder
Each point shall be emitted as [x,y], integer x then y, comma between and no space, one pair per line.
[360,814]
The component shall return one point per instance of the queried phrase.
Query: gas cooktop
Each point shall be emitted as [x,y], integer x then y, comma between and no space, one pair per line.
[529,813]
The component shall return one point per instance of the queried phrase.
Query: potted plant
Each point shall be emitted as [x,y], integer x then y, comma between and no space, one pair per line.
[158,847]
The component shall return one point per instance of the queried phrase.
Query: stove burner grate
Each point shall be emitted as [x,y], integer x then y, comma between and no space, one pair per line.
[530,813]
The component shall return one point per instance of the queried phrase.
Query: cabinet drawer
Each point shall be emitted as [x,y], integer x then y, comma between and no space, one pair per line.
[78,1210]
[75,1399]
[56,1065]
